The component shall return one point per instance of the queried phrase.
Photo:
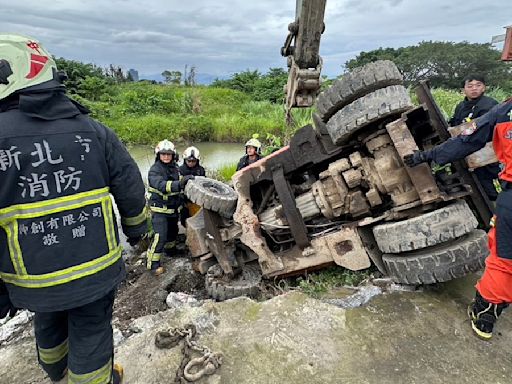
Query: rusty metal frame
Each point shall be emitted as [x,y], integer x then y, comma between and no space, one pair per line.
[224,254]
[295,220]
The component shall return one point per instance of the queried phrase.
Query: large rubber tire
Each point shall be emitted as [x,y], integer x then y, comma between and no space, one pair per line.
[371,108]
[440,263]
[353,85]
[426,230]
[213,195]
[245,284]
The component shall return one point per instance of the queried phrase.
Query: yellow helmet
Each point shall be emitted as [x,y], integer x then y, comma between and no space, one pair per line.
[191,153]
[165,146]
[23,64]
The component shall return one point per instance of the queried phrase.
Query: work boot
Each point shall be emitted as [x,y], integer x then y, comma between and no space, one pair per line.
[483,316]
[156,268]
[117,374]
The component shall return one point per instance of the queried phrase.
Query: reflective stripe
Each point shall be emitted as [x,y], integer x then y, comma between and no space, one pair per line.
[165,196]
[102,375]
[47,207]
[166,210]
[106,206]
[64,275]
[151,251]
[168,186]
[15,254]
[55,354]
[135,220]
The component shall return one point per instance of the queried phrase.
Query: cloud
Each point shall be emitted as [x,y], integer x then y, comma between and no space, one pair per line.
[226,36]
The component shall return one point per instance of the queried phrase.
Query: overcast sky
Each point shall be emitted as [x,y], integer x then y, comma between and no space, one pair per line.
[225,36]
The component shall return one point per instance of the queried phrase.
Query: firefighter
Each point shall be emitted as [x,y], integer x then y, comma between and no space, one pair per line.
[252,154]
[191,166]
[494,289]
[60,254]
[476,104]
[165,186]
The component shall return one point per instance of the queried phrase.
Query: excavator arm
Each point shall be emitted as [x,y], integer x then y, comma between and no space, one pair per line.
[302,48]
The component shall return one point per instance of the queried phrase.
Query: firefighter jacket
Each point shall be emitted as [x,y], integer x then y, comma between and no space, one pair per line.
[246,161]
[59,244]
[164,188]
[468,109]
[196,171]
[496,125]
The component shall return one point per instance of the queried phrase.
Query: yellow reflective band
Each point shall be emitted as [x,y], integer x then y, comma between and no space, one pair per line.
[15,254]
[162,210]
[164,195]
[151,251]
[135,220]
[55,354]
[168,186]
[102,375]
[106,206]
[64,275]
[156,257]
[43,208]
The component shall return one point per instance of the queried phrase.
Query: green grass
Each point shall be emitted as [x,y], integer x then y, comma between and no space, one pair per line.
[142,113]
[226,171]
[318,283]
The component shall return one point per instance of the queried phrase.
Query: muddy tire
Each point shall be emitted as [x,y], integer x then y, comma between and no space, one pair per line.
[426,230]
[359,82]
[371,108]
[213,195]
[246,283]
[440,263]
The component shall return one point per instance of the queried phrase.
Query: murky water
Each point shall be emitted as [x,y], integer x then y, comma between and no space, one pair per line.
[213,155]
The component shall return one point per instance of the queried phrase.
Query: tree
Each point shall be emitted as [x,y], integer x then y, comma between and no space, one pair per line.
[172,77]
[77,72]
[268,86]
[445,64]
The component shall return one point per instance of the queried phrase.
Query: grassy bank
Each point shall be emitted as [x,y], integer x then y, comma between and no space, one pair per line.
[142,113]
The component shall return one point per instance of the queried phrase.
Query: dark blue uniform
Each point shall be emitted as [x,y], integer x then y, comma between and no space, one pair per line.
[459,147]
[468,110]
[60,254]
[165,203]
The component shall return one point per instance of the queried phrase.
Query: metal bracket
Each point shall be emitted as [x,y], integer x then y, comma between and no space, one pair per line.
[224,255]
[295,221]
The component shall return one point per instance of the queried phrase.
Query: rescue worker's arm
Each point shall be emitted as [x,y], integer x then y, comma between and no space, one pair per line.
[127,187]
[457,148]
[159,182]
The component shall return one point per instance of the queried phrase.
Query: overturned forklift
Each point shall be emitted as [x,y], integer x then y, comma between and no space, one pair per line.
[340,193]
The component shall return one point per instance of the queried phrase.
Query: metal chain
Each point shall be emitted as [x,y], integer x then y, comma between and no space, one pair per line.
[206,364]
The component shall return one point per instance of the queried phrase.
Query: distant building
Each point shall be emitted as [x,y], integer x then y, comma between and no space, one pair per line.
[134,74]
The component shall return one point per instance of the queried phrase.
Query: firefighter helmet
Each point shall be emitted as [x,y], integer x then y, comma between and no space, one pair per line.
[165,146]
[254,143]
[191,153]
[23,64]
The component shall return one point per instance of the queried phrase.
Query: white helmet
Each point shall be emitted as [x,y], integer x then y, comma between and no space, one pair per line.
[165,146]
[23,64]
[254,143]
[191,153]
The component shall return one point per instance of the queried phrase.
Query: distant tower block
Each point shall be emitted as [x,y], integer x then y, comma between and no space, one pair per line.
[134,74]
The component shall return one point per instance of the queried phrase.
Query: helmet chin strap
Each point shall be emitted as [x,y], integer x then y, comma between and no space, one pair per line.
[5,71]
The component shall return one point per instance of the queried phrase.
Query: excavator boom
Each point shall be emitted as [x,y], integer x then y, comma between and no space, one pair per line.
[302,48]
